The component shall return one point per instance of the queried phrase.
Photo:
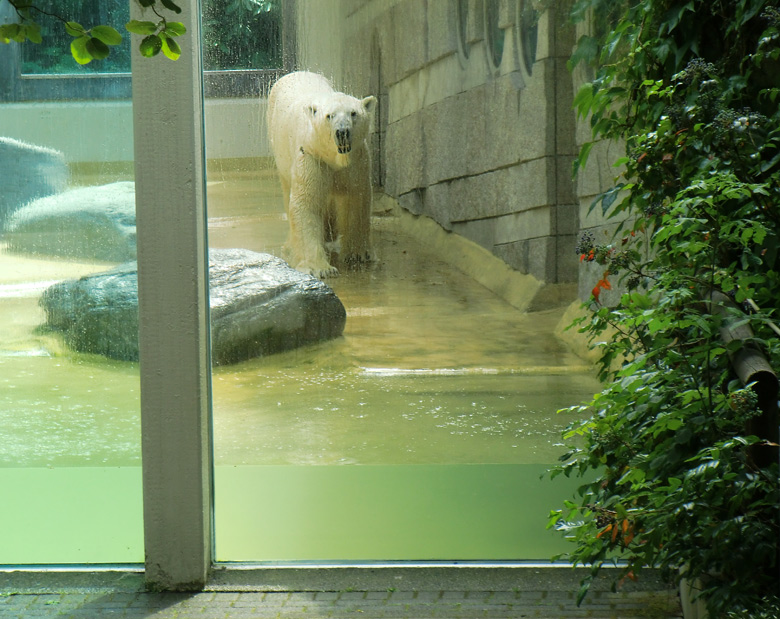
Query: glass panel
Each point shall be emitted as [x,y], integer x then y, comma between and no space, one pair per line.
[463,27]
[493,33]
[414,423]
[69,402]
[528,31]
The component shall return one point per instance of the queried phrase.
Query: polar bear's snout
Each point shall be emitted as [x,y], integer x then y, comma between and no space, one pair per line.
[343,140]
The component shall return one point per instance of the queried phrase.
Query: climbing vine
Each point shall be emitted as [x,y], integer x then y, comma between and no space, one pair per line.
[677,475]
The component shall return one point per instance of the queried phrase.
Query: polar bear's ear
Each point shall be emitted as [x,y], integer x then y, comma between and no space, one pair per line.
[369,103]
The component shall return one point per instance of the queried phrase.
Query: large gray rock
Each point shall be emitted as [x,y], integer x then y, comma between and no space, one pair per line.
[28,172]
[88,223]
[259,306]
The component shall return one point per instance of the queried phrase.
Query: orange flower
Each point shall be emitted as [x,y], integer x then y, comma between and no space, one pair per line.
[629,575]
[602,284]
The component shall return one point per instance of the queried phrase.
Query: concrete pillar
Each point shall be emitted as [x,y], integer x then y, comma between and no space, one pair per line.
[173,307]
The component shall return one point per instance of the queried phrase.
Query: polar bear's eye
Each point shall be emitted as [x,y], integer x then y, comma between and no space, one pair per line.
[354,113]
[328,116]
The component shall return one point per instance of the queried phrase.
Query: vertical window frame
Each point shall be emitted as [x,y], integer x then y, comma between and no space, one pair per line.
[175,368]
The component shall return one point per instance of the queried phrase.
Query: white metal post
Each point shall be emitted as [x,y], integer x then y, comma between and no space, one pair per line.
[173,307]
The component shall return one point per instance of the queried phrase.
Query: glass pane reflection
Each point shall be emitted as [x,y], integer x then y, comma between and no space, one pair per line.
[69,415]
[421,432]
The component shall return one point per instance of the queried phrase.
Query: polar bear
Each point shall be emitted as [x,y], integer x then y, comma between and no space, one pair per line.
[319,141]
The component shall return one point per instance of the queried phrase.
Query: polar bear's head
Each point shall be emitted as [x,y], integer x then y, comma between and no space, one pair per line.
[341,121]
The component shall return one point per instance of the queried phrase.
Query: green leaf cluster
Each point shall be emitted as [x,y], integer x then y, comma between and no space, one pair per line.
[94,43]
[677,479]
[20,33]
[158,37]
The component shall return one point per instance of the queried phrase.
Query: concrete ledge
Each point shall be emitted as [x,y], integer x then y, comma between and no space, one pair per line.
[457,577]
[434,577]
[514,287]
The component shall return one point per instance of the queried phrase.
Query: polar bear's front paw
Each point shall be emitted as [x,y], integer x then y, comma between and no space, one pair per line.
[320,271]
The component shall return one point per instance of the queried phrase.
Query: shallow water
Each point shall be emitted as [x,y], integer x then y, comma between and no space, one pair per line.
[432,367]
[436,381]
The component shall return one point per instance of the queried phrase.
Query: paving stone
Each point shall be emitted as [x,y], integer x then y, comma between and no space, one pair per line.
[402,595]
[300,597]
[275,599]
[251,600]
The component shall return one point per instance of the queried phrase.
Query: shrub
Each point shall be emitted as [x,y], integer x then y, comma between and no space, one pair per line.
[676,475]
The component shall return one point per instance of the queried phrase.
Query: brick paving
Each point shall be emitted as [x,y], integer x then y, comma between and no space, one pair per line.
[413,599]
[338,605]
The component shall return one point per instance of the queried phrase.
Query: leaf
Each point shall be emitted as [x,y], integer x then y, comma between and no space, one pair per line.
[97,49]
[141,27]
[33,32]
[587,50]
[8,32]
[146,3]
[74,29]
[171,6]
[79,51]
[767,165]
[170,47]
[584,588]
[150,46]
[582,158]
[107,35]
[174,29]
[583,99]
[608,198]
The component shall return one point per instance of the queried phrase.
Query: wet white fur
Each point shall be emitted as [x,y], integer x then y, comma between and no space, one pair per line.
[324,191]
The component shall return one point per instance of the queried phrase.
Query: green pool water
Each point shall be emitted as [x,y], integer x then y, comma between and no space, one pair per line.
[446,512]
[288,513]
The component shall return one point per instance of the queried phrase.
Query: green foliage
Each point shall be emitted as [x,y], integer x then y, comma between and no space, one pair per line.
[242,34]
[94,43]
[770,610]
[690,87]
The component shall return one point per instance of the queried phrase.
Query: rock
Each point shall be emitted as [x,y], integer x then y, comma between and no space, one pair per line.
[259,306]
[29,172]
[88,223]
[97,313]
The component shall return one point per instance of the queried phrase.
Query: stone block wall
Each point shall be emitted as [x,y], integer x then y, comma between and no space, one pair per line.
[483,149]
